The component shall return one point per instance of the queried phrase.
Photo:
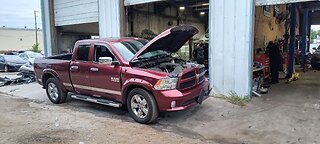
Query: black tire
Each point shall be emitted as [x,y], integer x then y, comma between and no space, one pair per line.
[151,105]
[59,96]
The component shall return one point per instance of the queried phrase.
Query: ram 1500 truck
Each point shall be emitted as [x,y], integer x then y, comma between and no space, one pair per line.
[145,76]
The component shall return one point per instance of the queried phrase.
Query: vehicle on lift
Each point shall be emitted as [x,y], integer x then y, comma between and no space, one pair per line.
[127,71]
[315,59]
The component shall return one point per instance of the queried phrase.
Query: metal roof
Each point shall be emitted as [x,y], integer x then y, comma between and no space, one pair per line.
[276,2]
[135,2]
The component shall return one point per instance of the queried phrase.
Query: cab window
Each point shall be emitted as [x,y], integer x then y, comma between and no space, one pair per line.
[83,52]
[102,51]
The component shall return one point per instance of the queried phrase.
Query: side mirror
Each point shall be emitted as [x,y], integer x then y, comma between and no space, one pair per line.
[108,61]
[105,60]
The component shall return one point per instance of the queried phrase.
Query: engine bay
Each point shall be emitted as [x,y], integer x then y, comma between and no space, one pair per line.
[174,67]
[165,63]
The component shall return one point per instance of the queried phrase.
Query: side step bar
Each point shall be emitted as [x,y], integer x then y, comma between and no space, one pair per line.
[96,100]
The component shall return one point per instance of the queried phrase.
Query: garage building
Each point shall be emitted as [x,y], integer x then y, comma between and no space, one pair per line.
[235,29]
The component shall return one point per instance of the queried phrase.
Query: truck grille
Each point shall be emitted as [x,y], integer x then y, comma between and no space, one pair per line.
[188,75]
[200,79]
[188,84]
[201,70]
[192,78]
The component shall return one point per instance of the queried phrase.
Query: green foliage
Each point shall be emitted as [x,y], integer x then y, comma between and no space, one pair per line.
[314,34]
[237,99]
[35,47]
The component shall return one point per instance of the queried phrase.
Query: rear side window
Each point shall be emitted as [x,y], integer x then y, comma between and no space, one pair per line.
[83,52]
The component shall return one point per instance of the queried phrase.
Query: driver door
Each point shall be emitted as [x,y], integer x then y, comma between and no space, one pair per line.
[105,78]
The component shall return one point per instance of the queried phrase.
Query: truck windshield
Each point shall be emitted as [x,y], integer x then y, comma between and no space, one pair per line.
[128,49]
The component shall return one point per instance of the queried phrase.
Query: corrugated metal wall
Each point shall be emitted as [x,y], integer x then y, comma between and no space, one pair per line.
[230,53]
[45,13]
[134,2]
[68,12]
[109,18]
[274,2]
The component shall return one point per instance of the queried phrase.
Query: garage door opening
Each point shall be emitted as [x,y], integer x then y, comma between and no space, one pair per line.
[150,19]
[67,35]
[283,42]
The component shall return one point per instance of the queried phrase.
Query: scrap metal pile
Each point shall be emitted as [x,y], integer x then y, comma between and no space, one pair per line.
[25,76]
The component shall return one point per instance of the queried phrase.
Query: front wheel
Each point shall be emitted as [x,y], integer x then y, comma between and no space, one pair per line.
[142,106]
[54,92]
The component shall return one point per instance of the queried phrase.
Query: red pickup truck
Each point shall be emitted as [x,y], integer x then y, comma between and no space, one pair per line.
[143,75]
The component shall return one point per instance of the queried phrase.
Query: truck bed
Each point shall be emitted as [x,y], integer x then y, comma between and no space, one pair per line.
[61,57]
[58,66]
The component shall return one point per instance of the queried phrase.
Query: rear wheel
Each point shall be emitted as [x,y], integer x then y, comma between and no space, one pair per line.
[142,106]
[54,92]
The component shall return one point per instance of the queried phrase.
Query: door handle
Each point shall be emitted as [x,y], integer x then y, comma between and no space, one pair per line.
[94,69]
[73,68]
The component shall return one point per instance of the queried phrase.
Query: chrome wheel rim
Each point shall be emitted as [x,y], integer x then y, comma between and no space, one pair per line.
[139,106]
[53,91]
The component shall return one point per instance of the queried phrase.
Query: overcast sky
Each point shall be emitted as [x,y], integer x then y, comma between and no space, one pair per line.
[19,13]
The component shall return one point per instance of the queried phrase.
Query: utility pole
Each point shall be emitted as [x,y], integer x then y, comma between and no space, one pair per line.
[35,25]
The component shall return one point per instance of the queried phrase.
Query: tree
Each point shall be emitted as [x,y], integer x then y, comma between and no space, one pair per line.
[35,47]
[314,34]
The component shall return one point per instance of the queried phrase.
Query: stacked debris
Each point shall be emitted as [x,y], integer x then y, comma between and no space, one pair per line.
[26,76]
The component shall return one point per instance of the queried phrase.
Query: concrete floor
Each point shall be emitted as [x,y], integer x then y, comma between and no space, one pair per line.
[289,113]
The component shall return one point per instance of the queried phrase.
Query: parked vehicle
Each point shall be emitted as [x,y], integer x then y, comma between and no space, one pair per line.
[11,53]
[315,59]
[30,56]
[11,62]
[127,71]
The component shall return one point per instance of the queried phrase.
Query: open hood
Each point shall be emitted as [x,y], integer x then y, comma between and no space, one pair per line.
[170,40]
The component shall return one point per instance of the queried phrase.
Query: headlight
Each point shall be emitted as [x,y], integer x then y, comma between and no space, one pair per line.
[166,84]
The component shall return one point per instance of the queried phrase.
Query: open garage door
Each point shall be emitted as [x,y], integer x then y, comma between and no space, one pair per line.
[276,2]
[135,2]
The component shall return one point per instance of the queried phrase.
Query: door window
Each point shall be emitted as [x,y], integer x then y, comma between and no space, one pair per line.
[1,59]
[102,51]
[83,52]
[23,56]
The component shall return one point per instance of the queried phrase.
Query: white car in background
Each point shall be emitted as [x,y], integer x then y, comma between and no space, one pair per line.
[30,56]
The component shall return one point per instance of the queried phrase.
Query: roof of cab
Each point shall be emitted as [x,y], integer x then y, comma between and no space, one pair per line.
[109,40]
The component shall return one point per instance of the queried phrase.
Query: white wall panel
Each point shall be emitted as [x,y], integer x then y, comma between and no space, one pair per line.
[230,46]
[45,13]
[135,2]
[68,12]
[275,2]
[109,18]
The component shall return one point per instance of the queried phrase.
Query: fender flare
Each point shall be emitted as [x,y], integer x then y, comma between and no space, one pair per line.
[135,82]
[55,75]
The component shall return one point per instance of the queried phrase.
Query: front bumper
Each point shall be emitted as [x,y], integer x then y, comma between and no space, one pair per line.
[183,99]
[14,67]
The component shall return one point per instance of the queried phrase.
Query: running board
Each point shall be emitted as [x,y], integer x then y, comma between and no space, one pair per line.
[96,100]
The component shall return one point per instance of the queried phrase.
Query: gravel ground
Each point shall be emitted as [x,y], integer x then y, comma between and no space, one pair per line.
[23,121]
[289,113]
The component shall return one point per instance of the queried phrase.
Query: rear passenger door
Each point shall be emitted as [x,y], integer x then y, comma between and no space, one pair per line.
[80,70]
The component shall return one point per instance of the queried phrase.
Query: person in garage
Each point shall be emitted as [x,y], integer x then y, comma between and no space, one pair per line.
[275,61]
